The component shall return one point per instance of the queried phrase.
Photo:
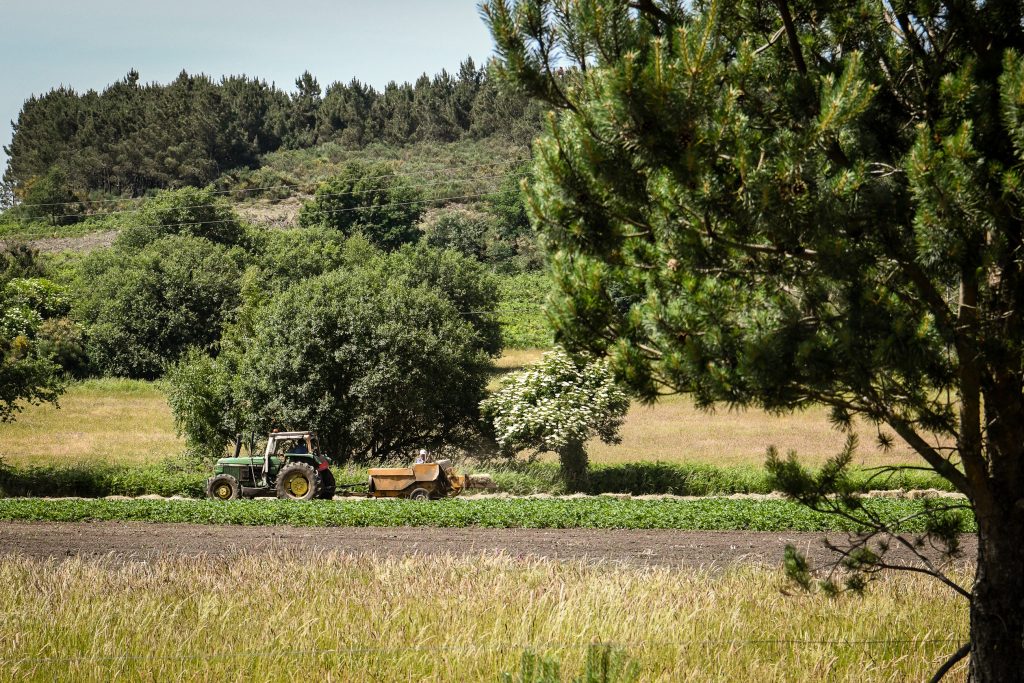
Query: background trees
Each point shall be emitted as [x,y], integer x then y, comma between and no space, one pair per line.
[133,137]
[777,203]
[143,309]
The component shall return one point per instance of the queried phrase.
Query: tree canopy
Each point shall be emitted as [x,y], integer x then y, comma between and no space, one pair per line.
[379,353]
[779,203]
[134,136]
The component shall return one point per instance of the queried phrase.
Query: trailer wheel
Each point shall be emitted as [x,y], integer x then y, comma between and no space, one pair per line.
[298,481]
[419,494]
[222,487]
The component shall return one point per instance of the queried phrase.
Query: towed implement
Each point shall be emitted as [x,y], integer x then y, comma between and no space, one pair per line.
[422,481]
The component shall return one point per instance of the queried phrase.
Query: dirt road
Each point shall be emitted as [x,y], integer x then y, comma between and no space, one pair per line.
[141,541]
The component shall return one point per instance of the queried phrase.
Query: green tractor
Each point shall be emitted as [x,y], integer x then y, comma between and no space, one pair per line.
[291,467]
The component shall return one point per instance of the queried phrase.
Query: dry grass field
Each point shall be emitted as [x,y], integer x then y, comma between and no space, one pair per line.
[127,421]
[114,421]
[364,618]
[673,430]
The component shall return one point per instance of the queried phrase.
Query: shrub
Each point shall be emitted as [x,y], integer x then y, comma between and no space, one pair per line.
[189,211]
[366,198]
[558,405]
[143,310]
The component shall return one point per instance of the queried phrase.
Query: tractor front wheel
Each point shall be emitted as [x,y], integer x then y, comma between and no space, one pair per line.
[298,481]
[223,487]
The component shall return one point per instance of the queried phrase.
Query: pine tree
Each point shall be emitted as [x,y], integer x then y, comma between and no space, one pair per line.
[783,203]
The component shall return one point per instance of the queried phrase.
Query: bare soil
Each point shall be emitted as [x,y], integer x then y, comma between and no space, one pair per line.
[138,541]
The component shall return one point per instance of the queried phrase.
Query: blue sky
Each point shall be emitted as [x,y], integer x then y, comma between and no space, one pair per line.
[90,43]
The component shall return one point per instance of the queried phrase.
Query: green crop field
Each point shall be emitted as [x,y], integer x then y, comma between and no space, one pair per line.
[596,513]
[363,618]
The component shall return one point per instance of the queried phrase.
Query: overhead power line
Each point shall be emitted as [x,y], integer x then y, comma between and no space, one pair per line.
[322,194]
[369,207]
[292,186]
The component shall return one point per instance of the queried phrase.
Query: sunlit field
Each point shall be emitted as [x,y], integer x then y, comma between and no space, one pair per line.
[360,618]
[123,421]
[673,430]
[113,421]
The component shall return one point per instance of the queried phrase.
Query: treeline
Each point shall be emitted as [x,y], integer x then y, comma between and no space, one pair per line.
[134,137]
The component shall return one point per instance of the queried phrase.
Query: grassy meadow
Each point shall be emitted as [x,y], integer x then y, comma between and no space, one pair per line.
[365,618]
[128,422]
[115,421]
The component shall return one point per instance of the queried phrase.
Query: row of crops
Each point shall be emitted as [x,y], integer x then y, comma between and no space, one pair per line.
[596,513]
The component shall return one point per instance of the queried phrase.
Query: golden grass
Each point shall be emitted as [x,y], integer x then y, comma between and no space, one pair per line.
[673,430]
[360,618]
[121,421]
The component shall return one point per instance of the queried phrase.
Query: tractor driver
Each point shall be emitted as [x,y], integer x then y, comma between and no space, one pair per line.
[300,447]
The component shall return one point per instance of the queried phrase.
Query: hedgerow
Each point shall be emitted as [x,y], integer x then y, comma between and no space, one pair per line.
[184,478]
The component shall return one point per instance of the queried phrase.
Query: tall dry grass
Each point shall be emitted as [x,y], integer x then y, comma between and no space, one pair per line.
[360,618]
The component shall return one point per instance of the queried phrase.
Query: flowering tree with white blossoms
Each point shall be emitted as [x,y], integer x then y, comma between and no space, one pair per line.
[558,405]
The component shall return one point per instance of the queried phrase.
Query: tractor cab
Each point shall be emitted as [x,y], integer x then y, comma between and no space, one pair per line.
[292,467]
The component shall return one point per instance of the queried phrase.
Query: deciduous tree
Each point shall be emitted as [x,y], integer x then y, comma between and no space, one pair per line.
[557,406]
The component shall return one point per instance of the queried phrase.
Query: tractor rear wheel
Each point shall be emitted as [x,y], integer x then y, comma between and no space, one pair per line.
[298,481]
[419,494]
[223,487]
[327,485]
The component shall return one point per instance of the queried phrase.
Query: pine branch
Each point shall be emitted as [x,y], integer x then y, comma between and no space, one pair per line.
[964,650]
[791,35]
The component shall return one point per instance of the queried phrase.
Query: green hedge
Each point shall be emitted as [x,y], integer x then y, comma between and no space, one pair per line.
[596,513]
[686,479]
[170,478]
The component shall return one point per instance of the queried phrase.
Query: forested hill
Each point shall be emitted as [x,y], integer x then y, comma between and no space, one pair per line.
[134,137]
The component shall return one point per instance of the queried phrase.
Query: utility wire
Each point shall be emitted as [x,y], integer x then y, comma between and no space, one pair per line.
[323,194]
[491,193]
[292,186]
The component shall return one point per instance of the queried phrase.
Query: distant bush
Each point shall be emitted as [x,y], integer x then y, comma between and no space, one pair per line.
[189,211]
[369,199]
[242,184]
[143,309]
[523,321]
[462,229]
[48,197]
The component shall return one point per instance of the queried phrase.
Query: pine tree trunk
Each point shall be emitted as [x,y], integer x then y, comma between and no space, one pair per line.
[997,607]
[573,459]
